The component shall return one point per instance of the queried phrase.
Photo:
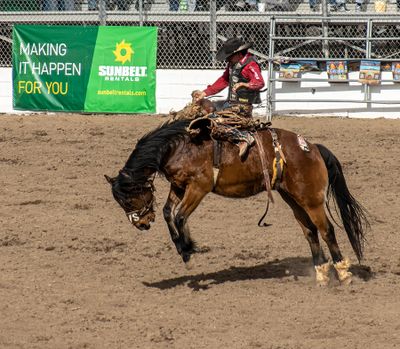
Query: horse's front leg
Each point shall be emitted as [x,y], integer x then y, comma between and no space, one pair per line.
[174,198]
[192,198]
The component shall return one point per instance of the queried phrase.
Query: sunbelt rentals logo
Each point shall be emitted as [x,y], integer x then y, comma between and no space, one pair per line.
[123,53]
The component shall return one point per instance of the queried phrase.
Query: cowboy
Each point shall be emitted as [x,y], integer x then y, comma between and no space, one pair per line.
[243,76]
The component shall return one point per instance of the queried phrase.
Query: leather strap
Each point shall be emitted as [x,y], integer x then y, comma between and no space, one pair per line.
[279,160]
[216,153]
[216,160]
[264,165]
[276,144]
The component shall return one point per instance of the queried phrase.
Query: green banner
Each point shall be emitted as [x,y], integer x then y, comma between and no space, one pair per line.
[86,69]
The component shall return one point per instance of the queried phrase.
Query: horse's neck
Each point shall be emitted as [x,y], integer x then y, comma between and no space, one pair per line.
[185,153]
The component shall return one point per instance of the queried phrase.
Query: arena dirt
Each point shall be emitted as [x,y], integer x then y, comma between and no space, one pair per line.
[75,274]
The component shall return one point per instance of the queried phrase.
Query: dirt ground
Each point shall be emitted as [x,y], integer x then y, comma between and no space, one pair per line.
[75,274]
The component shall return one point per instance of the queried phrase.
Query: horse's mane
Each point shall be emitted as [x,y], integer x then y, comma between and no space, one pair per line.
[151,149]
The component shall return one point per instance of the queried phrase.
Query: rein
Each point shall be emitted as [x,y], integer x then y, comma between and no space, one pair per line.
[277,165]
[263,159]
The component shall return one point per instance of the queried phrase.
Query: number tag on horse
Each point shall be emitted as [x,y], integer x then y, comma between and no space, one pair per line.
[302,143]
[133,217]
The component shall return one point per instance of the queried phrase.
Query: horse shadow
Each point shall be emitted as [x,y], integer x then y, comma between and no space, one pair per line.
[294,267]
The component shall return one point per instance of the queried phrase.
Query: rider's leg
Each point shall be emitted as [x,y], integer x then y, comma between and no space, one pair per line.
[242,138]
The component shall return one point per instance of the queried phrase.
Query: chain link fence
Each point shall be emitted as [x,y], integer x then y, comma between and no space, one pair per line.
[191,31]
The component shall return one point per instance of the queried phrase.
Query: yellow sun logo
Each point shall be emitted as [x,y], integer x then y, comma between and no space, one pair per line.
[123,52]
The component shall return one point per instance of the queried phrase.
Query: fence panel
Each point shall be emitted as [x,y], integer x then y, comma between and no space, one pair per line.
[190,31]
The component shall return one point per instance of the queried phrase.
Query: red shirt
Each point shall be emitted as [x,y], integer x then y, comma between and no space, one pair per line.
[251,72]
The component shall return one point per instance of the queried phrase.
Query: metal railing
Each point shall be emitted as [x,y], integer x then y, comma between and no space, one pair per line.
[375,39]
[188,36]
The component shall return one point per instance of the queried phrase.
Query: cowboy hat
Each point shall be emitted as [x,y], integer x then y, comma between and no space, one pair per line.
[232,46]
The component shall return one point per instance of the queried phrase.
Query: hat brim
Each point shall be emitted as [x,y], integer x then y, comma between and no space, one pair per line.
[222,55]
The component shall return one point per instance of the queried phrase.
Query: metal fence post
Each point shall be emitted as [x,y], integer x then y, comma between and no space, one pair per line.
[270,84]
[213,32]
[102,12]
[367,87]
[325,32]
[141,13]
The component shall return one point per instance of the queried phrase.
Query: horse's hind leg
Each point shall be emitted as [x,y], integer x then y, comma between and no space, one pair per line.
[311,234]
[318,216]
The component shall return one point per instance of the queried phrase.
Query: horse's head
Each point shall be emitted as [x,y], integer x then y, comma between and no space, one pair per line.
[137,200]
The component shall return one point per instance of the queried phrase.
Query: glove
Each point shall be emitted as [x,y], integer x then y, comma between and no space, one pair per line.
[239,85]
[198,95]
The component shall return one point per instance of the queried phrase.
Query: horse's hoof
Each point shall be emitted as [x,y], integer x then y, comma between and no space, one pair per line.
[189,264]
[348,280]
[322,284]
[186,257]
[342,270]
[322,274]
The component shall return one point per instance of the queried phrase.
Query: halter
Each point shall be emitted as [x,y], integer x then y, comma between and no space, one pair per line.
[135,215]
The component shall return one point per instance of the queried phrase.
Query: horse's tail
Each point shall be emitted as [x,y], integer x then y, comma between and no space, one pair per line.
[352,213]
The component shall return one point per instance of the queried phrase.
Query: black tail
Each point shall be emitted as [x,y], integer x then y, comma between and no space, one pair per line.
[353,215]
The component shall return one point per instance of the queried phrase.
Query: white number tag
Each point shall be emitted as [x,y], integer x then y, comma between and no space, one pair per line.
[133,217]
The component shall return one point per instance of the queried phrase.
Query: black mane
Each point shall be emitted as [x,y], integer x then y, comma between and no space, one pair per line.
[151,149]
[149,154]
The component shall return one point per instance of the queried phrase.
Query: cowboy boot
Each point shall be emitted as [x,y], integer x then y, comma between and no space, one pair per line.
[245,143]
[243,148]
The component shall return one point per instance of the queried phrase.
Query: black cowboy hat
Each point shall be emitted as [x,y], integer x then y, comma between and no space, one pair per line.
[232,46]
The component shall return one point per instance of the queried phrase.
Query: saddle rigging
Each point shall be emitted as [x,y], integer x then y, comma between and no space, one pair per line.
[232,127]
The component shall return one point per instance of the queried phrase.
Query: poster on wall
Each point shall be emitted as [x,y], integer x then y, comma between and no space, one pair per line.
[85,69]
[386,66]
[308,66]
[370,72]
[337,71]
[289,71]
[396,71]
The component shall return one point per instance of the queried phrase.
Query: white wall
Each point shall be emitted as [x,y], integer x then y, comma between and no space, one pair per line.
[5,90]
[175,86]
[323,90]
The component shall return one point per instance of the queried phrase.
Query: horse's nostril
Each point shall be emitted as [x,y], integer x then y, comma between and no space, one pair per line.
[144,226]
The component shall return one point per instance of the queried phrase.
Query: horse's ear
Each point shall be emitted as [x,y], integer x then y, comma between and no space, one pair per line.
[124,174]
[125,178]
[109,179]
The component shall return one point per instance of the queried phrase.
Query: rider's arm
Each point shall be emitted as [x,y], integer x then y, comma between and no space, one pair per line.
[252,73]
[221,83]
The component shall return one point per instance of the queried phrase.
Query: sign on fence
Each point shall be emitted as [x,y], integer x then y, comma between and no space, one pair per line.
[337,71]
[370,72]
[87,69]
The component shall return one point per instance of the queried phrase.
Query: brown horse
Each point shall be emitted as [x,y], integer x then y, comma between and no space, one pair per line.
[309,179]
